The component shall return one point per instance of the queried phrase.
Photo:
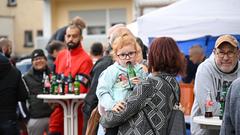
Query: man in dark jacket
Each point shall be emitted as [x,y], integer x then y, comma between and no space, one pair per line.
[12,90]
[39,111]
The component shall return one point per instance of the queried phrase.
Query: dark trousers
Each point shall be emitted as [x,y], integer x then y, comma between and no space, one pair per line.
[9,127]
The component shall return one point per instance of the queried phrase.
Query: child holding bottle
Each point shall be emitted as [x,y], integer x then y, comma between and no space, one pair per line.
[114,83]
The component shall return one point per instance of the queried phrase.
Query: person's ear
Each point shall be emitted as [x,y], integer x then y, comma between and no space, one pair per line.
[238,53]
[214,50]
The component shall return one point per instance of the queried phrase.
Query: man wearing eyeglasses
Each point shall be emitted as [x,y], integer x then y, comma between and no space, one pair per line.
[221,67]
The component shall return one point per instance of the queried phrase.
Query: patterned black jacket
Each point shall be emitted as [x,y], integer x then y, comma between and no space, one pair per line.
[147,109]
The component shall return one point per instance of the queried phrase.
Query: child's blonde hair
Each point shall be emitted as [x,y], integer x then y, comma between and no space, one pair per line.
[124,40]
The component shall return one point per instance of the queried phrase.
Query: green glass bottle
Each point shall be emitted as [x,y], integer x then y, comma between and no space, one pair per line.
[70,83]
[130,70]
[54,85]
[130,73]
[222,98]
[76,85]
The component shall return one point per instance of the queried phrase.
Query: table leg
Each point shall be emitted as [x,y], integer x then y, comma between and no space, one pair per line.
[65,112]
[75,105]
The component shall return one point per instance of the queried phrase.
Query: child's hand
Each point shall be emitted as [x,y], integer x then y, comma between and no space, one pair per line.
[135,80]
[119,107]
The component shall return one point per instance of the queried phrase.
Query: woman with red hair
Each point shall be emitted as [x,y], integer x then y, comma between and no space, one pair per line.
[148,108]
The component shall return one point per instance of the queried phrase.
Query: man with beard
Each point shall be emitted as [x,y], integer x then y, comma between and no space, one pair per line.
[75,61]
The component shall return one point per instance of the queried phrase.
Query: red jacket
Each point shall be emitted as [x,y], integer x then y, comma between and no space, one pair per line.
[75,61]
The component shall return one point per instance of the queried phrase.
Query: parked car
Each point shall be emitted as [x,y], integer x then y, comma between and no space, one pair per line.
[24,65]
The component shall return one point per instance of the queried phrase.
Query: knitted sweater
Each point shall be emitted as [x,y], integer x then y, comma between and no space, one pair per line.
[147,109]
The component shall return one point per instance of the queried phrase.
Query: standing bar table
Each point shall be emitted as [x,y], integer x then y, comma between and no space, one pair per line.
[70,104]
[208,123]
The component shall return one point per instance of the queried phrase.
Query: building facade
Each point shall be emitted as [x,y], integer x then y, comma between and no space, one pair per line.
[30,23]
[21,22]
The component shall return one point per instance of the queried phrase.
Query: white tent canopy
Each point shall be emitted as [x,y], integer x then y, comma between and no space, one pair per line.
[188,19]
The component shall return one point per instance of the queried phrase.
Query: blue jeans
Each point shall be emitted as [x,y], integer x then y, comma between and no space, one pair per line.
[9,127]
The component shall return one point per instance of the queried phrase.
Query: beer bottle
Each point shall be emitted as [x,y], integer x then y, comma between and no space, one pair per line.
[209,105]
[130,70]
[54,84]
[70,83]
[66,87]
[76,85]
[43,81]
[61,84]
[130,73]
[222,99]
[47,85]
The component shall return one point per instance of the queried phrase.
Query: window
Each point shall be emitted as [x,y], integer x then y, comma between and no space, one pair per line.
[98,21]
[3,36]
[39,33]
[95,30]
[28,38]
[11,3]
[117,16]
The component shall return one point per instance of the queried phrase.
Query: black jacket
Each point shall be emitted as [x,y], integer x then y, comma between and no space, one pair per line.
[37,108]
[12,90]
[91,99]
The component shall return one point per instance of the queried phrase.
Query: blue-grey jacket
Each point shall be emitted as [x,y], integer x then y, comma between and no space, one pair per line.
[113,85]
[231,119]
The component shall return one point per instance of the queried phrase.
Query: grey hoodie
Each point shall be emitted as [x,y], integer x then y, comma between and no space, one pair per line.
[208,77]
[231,119]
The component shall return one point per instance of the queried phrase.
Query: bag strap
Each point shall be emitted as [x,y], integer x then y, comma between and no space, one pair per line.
[151,125]
[174,92]
[175,107]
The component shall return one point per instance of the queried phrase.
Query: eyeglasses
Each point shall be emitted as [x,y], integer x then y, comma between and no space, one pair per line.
[129,54]
[221,54]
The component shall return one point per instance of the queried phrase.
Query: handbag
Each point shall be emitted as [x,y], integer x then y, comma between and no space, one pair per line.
[176,123]
[93,122]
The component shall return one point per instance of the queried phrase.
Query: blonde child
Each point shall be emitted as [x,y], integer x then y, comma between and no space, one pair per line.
[113,84]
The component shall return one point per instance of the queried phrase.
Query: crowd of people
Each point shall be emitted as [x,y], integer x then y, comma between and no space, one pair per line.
[124,104]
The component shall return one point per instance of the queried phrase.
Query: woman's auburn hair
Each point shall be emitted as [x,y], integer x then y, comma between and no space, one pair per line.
[125,40]
[165,56]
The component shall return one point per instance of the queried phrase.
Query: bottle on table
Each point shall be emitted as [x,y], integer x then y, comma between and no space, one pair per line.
[70,83]
[76,85]
[43,81]
[222,98]
[61,84]
[209,105]
[54,84]
[46,83]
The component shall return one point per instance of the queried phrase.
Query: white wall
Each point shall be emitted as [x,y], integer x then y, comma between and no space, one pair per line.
[7,29]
